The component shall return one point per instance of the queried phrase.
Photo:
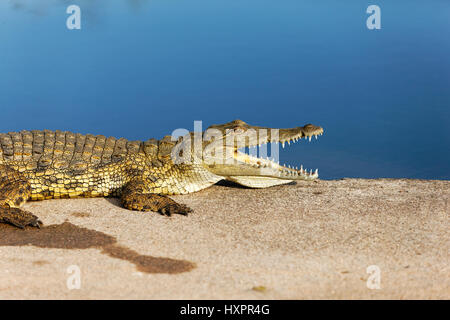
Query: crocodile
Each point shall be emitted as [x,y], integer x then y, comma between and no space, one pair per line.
[45,164]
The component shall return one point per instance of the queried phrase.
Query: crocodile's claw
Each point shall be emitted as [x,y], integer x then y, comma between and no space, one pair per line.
[176,208]
[19,218]
[153,202]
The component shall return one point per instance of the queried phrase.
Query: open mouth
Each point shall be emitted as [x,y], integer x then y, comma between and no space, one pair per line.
[270,167]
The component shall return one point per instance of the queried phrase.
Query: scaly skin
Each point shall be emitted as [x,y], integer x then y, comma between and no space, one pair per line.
[39,165]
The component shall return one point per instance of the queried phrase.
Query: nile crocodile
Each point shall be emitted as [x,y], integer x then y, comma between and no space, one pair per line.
[39,165]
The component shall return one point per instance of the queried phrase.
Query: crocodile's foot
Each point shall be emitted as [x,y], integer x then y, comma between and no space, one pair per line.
[19,218]
[154,202]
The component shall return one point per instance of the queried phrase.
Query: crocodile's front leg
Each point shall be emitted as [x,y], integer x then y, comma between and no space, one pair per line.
[135,196]
[15,191]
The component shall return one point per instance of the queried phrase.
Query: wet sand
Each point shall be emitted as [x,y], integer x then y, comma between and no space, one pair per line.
[307,241]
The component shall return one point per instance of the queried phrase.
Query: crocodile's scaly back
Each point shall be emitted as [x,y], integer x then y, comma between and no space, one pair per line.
[62,149]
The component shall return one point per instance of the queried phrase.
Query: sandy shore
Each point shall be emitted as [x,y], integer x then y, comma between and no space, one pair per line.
[306,241]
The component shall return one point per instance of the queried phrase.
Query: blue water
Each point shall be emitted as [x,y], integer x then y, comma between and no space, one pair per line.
[140,69]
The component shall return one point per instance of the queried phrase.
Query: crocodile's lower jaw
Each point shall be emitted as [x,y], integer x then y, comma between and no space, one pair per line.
[257,182]
[265,168]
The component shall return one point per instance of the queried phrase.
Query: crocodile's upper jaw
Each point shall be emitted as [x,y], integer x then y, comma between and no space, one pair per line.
[256,172]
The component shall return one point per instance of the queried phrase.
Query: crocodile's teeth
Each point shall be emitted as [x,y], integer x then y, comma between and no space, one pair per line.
[309,138]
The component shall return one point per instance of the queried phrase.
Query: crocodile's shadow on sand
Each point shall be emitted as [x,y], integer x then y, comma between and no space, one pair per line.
[231,184]
[70,236]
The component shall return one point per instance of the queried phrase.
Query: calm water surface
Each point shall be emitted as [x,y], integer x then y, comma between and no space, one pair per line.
[140,69]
